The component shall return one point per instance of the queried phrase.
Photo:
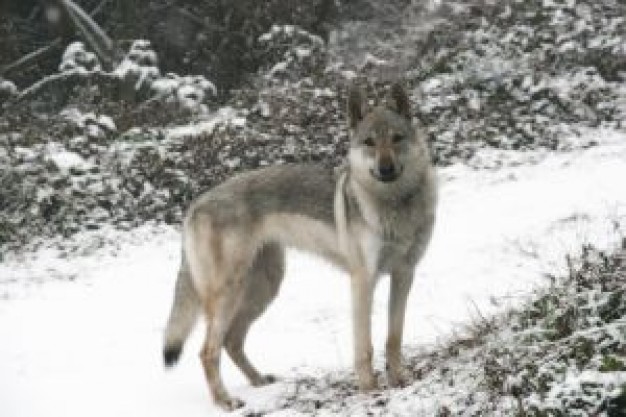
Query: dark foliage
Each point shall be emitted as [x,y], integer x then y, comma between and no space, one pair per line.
[215,38]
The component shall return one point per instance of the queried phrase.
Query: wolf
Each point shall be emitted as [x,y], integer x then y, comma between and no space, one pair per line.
[373,216]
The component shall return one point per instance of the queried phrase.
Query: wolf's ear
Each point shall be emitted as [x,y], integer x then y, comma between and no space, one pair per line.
[356,106]
[399,101]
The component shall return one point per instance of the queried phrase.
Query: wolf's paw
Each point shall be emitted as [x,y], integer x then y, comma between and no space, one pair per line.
[397,379]
[264,380]
[230,403]
[368,383]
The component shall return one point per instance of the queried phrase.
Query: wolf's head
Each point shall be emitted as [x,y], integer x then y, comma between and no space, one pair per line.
[385,148]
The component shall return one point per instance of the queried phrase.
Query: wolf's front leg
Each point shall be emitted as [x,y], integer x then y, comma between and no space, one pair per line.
[401,281]
[362,290]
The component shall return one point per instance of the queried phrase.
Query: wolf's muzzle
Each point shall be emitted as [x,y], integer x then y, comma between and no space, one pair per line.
[386,173]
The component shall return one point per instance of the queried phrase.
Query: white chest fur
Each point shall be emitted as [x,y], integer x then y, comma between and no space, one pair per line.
[360,239]
[369,247]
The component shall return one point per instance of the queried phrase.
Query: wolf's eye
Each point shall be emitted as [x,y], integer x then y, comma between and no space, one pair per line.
[368,142]
[397,137]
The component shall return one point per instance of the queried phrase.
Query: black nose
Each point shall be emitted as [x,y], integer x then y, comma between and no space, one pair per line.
[387,173]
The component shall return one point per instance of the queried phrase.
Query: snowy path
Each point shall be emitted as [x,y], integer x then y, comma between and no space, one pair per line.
[92,346]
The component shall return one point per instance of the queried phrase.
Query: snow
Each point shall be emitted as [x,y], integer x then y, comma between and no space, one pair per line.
[107,122]
[94,126]
[279,67]
[207,126]
[7,87]
[81,332]
[139,66]
[65,160]
[139,69]
[142,75]
[189,91]
[288,31]
[77,58]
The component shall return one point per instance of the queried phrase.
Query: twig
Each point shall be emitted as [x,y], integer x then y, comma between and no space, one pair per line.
[93,34]
[39,54]
[98,8]
[32,57]
[482,318]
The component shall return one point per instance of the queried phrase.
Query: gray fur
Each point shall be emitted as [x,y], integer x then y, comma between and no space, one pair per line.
[306,189]
[183,314]
[375,217]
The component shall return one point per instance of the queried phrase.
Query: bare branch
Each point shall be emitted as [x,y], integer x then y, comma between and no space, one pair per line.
[32,57]
[41,53]
[93,34]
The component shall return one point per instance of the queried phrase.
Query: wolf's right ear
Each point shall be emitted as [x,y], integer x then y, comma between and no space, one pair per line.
[356,106]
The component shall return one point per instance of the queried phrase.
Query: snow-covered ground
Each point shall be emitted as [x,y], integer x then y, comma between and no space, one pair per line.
[80,334]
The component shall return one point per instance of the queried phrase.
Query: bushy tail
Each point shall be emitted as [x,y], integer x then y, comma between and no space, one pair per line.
[183,316]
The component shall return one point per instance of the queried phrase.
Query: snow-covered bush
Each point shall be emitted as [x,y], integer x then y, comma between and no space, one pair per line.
[7,90]
[518,75]
[7,87]
[139,68]
[561,354]
[512,75]
[77,58]
[291,52]
[564,353]
[93,126]
[191,92]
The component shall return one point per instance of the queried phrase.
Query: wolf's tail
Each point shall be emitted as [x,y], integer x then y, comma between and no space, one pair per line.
[183,315]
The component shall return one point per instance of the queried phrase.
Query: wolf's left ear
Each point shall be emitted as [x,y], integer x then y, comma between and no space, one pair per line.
[399,101]
[356,106]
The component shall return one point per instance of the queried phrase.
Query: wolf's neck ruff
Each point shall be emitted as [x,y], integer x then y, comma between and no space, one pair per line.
[341,211]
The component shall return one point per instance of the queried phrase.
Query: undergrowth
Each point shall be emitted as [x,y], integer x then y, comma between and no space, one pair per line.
[562,353]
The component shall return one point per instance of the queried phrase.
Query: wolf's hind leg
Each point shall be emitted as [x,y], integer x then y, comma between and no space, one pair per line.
[218,320]
[264,279]
[234,346]
[222,306]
